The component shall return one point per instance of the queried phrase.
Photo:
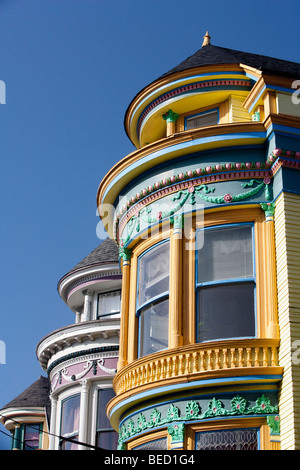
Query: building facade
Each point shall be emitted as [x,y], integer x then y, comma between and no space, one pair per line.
[205,213]
[80,361]
[203,262]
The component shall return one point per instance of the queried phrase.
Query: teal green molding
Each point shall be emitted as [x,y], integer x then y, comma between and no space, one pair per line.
[190,194]
[178,221]
[215,408]
[124,253]
[256,116]
[268,208]
[170,116]
[176,431]
[274,424]
[230,169]
[173,413]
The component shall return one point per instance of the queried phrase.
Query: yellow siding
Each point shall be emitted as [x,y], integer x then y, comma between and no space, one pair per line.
[287,240]
[237,113]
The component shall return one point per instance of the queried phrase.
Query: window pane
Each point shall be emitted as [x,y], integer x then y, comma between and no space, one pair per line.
[205,119]
[153,273]
[31,436]
[158,444]
[154,327]
[66,445]
[109,303]
[235,439]
[104,396]
[226,311]
[107,440]
[70,420]
[226,254]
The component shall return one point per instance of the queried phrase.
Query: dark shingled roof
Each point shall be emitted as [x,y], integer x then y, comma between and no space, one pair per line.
[36,395]
[106,252]
[213,55]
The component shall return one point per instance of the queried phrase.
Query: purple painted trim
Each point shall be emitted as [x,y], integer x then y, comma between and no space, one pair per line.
[73,288]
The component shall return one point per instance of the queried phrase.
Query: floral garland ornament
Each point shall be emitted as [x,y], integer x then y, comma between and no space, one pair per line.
[189,195]
[215,408]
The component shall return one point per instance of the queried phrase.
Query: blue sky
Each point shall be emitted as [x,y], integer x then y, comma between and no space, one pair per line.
[71,67]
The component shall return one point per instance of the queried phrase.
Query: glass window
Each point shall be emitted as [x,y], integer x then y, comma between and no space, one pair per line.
[31,439]
[106,437]
[153,299]
[233,439]
[158,444]
[226,283]
[208,118]
[70,422]
[109,303]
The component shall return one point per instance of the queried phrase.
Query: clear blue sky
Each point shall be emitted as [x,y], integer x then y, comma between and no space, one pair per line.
[71,67]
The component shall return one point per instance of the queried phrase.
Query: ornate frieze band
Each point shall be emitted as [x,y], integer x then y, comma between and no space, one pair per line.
[92,367]
[196,181]
[77,354]
[239,406]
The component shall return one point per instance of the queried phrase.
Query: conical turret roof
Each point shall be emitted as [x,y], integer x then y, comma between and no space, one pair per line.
[214,55]
[106,252]
[36,395]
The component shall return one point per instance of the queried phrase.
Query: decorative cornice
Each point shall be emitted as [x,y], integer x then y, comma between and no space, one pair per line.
[195,180]
[95,365]
[239,407]
[92,278]
[83,352]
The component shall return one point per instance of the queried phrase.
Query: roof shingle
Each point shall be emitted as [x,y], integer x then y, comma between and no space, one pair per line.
[36,395]
[213,55]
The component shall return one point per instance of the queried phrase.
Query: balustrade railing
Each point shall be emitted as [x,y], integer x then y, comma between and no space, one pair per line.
[198,359]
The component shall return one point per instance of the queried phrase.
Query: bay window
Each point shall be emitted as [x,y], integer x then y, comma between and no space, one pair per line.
[153,299]
[225,283]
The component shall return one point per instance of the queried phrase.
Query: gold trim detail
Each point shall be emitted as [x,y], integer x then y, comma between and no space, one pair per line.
[200,361]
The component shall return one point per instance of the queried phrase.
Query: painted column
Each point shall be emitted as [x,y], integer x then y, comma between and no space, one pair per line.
[78,316]
[170,117]
[270,260]
[87,306]
[53,399]
[17,441]
[83,416]
[125,254]
[175,330]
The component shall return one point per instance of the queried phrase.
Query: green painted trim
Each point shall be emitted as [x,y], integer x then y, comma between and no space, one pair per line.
[124,253]
[176,431]
[189,195]
[274,424]
[268,208]
[170,116]
[239,407]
